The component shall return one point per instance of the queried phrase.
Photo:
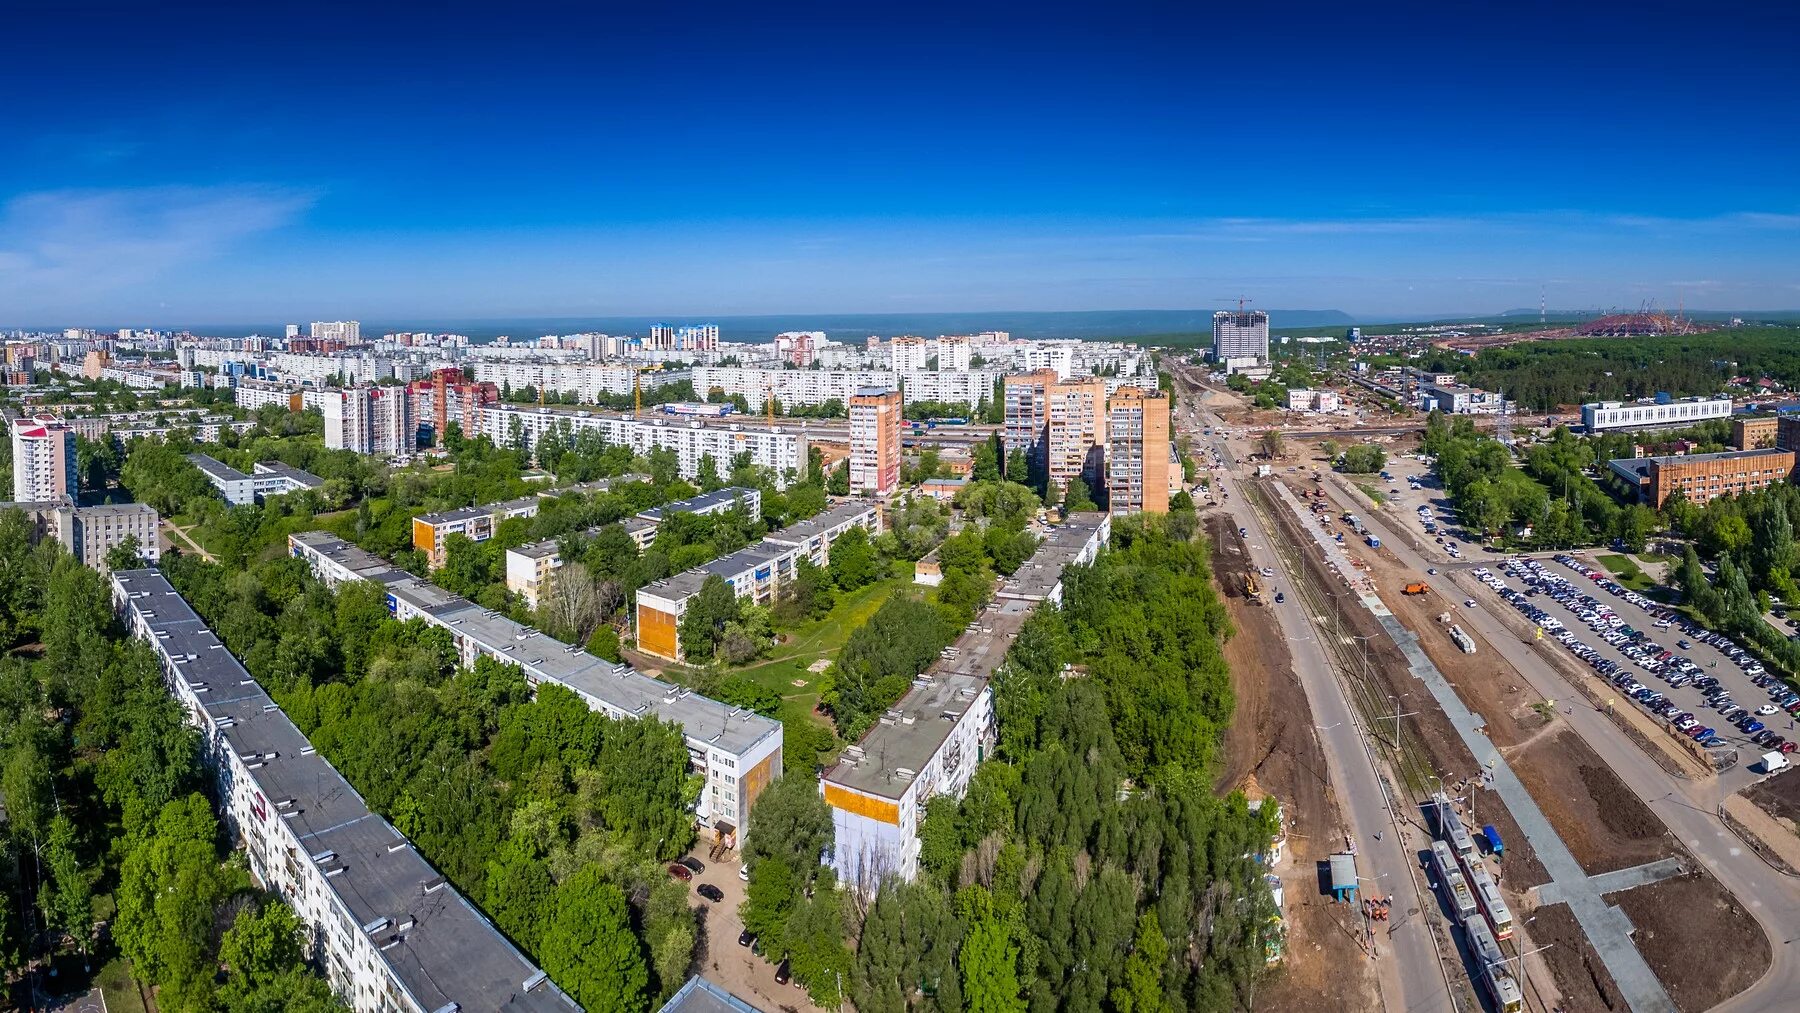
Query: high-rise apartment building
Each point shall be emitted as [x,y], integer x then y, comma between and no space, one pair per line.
[292,330]
[799,347]
[1239,335]
[43,452]
[954,353]
[1137,453]
[1075,439]
[910,353]
[369,420]
[337,330]
[874,442]
[687,338]
[1060,426]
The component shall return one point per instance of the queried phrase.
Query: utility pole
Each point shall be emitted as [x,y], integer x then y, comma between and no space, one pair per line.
[1396,716]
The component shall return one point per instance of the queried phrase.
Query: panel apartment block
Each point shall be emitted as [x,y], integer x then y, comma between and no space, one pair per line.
[931,741]
[781,449]
[389,931]
[755,573]
[739,751]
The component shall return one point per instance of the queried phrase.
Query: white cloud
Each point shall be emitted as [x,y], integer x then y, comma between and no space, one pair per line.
[62,245]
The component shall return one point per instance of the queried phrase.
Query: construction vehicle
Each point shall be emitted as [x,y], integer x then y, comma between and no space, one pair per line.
[1416,588]
[1252,589]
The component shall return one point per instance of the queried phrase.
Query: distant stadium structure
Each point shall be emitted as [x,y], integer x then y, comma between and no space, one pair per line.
[1639,324]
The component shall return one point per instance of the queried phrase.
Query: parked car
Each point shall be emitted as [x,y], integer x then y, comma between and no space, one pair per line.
[694,864]
[710,892]
[746,937]
[681,872]
[782,974]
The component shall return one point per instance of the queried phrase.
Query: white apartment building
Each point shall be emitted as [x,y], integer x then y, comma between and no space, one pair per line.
[779,448]
[346,369]
[333,330]
[755,573]
[908,354]
[589,380]
[43,460]
[431,532]
[268,478]
[814,387]
[738,751]
[390,933]
[931,741]
[369,420]
[253,394]
[954,353]
[529,567]
[89,533]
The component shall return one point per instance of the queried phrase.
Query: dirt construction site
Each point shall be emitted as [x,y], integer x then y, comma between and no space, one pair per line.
[1605,826]
[1271,750]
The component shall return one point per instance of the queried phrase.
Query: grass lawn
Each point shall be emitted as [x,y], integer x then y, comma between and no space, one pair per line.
[1656,557]
[121,991]
[1627,573]
[1373,493]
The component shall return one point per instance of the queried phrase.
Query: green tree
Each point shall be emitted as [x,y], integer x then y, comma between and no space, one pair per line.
[520,893]
[789,823]
[262,945]
[588,948]
[71,906]
[837,482]
[989,966]
[773,892]
[1142,990]
[853,561]
[704,621]
[814,938]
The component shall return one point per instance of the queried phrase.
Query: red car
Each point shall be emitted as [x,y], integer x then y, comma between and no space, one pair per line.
[1787,747]
[680,871]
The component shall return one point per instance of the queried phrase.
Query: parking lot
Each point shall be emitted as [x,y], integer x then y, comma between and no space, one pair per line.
[1675,688]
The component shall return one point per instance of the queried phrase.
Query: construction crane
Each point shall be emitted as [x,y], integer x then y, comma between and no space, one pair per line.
[1242,301]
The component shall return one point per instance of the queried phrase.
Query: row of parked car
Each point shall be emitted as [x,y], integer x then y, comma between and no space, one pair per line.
[1717,696]
[1641,651]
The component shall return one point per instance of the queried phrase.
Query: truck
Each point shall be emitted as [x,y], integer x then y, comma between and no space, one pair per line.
[1772,762]
[1416,588]
[1374,543]
[1252,589]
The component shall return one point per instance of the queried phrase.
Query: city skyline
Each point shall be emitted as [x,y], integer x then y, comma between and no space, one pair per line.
[216,165]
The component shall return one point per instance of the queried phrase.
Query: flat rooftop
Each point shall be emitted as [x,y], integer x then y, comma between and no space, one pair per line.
[702,996]
[907,736]
[802,531]
[729,423]
[616,687]
[289,472]
[216,469]
[451,953]
[1039,574]
[597,485]
[688,582]
[718,499]
[449,516]
[1634,468]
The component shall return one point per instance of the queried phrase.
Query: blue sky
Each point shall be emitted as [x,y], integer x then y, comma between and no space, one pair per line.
[192,164]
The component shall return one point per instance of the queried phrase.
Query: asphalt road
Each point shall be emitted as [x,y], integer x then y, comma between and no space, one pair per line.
[1408,969]
[1689,808]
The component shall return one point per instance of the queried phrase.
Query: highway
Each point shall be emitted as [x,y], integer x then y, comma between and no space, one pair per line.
[1689,808]
[1407,970]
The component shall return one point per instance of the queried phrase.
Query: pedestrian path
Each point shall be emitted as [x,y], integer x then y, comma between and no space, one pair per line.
[1607,928]
[1621,879]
